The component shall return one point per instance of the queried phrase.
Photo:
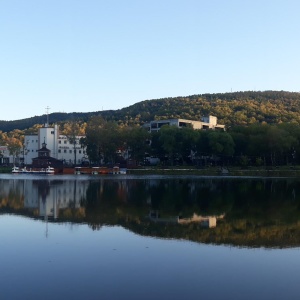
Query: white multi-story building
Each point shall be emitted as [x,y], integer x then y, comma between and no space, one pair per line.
[59,145]
[46,198]
[50,198]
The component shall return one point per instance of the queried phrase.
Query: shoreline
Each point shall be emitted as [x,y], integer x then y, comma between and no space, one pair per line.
[217,172]
[211,171]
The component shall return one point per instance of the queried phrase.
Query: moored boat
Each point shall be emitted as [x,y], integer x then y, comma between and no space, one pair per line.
[95,170]
[49,170]
[15,170]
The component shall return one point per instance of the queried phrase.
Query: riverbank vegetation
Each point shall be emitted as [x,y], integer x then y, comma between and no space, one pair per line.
[262,131]
[260,146]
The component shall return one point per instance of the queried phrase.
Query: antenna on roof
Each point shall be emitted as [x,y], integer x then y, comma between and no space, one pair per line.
[47,112]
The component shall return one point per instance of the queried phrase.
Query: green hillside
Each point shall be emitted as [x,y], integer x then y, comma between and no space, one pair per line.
[239,108]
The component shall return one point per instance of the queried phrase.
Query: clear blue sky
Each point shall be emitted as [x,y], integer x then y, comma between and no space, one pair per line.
[89,55]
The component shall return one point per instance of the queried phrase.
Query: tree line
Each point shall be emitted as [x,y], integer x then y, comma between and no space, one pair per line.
[252,145]
[110,142]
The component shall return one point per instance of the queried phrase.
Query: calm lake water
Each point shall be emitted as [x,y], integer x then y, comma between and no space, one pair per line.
[151,237]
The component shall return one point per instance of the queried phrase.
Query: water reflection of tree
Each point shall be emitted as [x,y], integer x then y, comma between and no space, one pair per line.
[11,196]
[43,187]
[257,211]
[187,197]
[115,202]
[111,201]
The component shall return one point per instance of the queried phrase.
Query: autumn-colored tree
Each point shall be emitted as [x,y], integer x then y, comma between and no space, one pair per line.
[14,147]
[73,130]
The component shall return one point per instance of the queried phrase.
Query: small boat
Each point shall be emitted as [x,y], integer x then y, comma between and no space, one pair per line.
[123,171]
[49,170]
[224,171]
[96,170]
[15,170]
[117,170]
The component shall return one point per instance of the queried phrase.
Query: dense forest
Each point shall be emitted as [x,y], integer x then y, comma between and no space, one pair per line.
[239,108]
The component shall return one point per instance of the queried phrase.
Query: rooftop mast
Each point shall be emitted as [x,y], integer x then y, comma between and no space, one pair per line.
[47,112]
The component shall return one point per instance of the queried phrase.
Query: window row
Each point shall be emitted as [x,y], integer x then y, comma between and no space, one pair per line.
[70,151]
[66,142]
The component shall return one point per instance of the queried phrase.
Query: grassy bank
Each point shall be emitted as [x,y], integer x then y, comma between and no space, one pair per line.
[216,171]
[5,169]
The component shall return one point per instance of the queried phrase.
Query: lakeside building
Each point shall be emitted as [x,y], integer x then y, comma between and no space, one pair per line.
[209,122]
[59,146]
[206,123]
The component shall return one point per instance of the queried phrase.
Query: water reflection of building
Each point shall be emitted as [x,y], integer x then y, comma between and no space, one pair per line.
[49,197]
[204,221]
[11,185]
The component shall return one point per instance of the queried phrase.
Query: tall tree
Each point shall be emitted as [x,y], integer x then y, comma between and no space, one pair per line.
[167,136]
[14,147]
[103,139]
[136,139]
[221,144]
[73,130]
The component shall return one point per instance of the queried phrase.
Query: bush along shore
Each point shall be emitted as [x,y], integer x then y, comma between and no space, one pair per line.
[5,169]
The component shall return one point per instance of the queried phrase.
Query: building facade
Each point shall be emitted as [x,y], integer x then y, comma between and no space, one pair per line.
[6,158]
[209,122]
[59,145]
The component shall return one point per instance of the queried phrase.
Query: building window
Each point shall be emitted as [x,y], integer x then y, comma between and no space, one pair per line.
[52,132]
[70,151]
[59,142]
[65,151]
[162,124]
[79,151]
[65,142]
[59,151]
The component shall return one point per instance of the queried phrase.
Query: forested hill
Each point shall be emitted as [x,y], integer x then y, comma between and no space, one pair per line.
[239,108]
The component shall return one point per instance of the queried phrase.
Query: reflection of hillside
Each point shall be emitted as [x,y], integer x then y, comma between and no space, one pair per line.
[253,212]
[276,236]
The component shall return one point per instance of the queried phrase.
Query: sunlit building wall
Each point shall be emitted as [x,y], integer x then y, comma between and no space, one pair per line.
[59,145]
